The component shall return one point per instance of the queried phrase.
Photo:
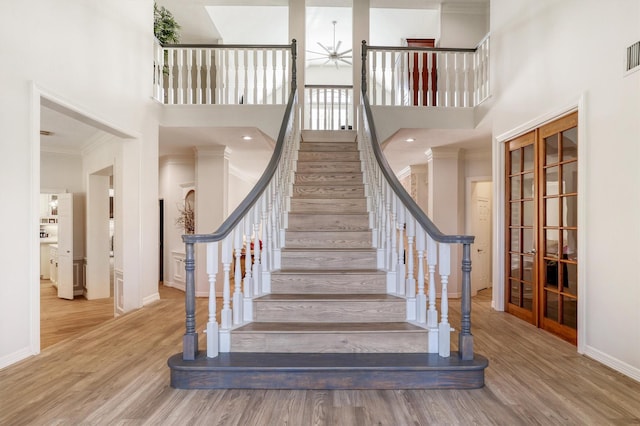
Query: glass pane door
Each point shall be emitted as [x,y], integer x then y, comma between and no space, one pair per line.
[559,227]
[521,217]
[542,227]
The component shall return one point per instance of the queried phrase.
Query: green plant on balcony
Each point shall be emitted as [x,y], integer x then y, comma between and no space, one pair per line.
[165,27]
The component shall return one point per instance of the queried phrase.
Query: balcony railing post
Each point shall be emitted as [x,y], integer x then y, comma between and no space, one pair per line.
[363,89]
[465,339]
[190,338]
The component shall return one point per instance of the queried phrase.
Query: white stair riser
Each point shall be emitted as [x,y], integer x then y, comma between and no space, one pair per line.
[327,167]
[319,205]
[330,311]
[325,222]
[405,342]
[331,156]
[329,191]
[328,239]
[323,260]
[345,283]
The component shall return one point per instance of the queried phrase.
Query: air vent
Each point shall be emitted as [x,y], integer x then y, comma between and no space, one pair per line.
[633,56]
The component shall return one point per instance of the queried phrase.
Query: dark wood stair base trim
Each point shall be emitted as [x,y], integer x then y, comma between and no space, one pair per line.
[247,370]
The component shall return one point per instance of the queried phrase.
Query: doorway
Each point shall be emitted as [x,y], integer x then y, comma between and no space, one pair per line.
[542,227]
[480,226]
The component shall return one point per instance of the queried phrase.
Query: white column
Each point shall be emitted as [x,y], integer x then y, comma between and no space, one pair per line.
[446,202]
[360,16]
[212,190]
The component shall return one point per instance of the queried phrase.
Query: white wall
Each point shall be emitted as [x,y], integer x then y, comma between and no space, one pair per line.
[94,57]
[463,27]
[61,171]
[546,56]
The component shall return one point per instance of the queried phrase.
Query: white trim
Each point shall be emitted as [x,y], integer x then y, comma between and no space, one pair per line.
[614,363]
[583,189]
[42,97]
[14,357]
[540,121]
[151,298]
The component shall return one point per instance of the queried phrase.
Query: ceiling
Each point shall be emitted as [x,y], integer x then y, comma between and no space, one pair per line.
[244,22]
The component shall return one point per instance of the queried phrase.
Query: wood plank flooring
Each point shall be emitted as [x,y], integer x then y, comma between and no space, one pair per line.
[117,374]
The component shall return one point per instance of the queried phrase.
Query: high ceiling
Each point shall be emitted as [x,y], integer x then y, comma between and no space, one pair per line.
[266,22]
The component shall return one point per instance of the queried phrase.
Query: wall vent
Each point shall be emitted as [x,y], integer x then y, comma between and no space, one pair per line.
[633,56]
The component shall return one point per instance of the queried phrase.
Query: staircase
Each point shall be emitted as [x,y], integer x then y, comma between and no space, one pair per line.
[328,321]
[329,296]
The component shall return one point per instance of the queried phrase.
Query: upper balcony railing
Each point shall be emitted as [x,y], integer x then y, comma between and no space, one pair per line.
[196,74]
[419,76]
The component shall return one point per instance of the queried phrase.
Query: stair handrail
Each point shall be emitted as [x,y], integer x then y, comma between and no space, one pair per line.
[465,337]
[255,193]
[190,338]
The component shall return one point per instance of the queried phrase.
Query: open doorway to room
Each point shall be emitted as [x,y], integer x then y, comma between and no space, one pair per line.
[479,224]
[75,223]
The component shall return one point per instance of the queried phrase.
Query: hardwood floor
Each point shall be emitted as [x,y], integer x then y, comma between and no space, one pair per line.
[117,373]
[61,319]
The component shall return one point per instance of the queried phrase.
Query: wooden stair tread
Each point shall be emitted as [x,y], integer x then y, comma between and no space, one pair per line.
[301,297]
[328,327]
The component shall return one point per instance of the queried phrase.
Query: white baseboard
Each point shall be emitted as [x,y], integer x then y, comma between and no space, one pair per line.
[616,364]
[151,298]
[176,285]
[14,357]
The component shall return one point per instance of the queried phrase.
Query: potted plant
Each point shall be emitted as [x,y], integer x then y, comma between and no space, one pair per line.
[165,27]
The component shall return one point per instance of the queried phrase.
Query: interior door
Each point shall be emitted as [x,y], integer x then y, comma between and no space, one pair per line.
[481,228]
[542,227]
[423,73]
[521,273]
[65,246]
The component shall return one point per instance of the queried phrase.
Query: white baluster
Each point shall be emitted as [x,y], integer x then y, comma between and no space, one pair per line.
[170,58]
[245,67]
[264,77]
[400,268]
[410,282]
[384,78]
[199,88]
[227,73]
[208,89]
[180,53]
[189,59]
[226,315]
[273,76]
[432,313]
[373,86]
[212,324]
[393,240]
[393,77]
[421,300]
[257,267]
[444,328]
[248,267]
[266,253]
[237,279]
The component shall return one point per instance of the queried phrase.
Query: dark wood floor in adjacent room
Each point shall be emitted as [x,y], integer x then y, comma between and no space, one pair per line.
[116,373]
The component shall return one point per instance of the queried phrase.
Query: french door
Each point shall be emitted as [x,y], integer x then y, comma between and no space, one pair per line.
[542,227]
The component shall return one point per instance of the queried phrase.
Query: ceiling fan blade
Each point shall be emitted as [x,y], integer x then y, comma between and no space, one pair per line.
[345,52]
[327,50]
[317,59]
[337,48]
[344,60]
[317,53]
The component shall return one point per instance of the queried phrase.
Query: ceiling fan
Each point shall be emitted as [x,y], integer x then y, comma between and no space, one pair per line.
[332,53]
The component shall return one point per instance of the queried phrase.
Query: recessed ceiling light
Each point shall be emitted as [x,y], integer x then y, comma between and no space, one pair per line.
[246,138]
[409,140]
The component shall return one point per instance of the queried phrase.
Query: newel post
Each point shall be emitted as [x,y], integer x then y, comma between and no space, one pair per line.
[465,342]
[363,88]
[190,338]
